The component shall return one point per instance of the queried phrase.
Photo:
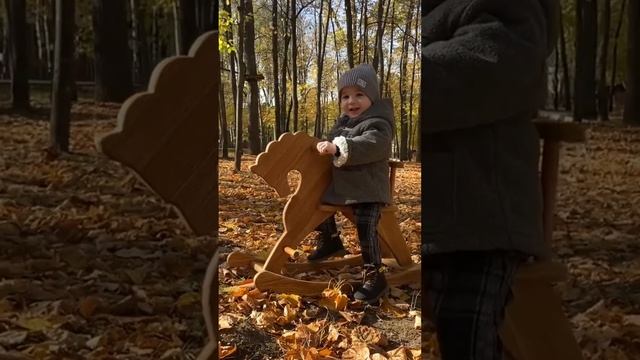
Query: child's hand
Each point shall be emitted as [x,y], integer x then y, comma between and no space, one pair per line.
[326,148]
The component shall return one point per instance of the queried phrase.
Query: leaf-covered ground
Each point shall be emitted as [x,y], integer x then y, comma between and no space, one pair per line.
[94,266]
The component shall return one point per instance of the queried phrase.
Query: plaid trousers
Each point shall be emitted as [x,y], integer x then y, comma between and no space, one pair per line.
[367,216]
[466,296]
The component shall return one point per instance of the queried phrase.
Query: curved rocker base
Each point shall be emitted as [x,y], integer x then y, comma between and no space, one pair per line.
[267,280]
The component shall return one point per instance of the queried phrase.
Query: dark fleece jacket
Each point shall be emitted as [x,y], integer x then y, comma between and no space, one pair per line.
[365,147]
[483,75]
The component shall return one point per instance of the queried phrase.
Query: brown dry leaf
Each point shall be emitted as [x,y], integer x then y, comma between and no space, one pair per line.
[401,353]
[288,315]
[392,310]
[351,316]
[224,351]
[88,306]
[416,354]
[265,318]
[238,291]
[632,320]
[378,356]
[5,306]
[34,323]
[334,299]
[289,299]
[417,324]
[13,338]
[188,302]
[225,322]
[368,335]
[333,335]
[358,351]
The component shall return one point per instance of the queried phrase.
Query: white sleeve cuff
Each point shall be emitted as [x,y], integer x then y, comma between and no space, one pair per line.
[343,145]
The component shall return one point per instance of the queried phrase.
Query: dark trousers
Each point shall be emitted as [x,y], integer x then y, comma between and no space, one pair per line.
[367,216]
[466,296]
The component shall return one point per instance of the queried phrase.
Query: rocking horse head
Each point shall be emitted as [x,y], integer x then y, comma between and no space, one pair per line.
[291,152]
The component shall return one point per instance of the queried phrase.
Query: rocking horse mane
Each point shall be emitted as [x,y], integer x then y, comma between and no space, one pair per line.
[291,151]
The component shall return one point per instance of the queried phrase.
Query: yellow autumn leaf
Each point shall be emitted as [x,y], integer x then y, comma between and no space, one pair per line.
[290,299]
[34,324]
[334,299]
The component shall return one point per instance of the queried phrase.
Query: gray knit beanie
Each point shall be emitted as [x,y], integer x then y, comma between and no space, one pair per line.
[362,76]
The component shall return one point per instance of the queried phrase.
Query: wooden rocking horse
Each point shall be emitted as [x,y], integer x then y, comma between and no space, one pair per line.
[304,211]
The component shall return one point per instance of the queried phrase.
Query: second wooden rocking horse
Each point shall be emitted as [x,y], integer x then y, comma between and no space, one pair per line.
[304,211]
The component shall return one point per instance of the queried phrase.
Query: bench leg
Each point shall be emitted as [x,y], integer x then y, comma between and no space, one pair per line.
[535,326]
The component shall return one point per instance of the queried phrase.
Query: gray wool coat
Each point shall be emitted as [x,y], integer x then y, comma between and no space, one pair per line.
[361,172]
[483,69]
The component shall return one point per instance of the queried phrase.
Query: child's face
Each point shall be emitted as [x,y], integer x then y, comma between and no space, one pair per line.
[353,101]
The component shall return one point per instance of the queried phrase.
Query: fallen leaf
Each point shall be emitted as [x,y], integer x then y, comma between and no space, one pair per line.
[350,316]
[368,335]
[358,351]
[290,299]
[334,299]
[34,324]
[88,306]
[12,338]
[224,351]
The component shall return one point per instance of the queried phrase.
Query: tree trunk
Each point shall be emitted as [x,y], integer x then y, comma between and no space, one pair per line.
[274,64]
[377,53]
[135,41]
[416,32]
[240,94]
[365,31]
[603,96]
[556,77]
[144,55]
[112,54]
[62,78]
[177,36]
[188,29]
[566,78]
[349,19]
[224,127]
[39,42]
[614,59]
[47,38]
[380,70]
[252,78]
[632,99]
[294,63]
[283,79]
[586,51]
[404,118]
[387,90]
[232,58]
[322,46]
[206,16]
[18,55]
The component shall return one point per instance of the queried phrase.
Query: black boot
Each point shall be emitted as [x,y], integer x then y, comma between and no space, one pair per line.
[327,245]
[374,285]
